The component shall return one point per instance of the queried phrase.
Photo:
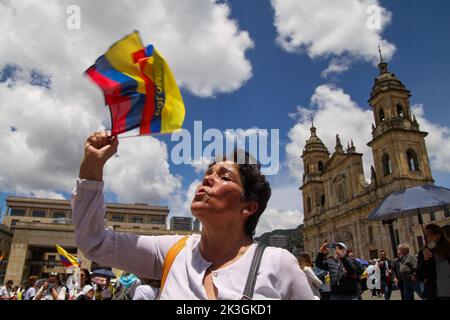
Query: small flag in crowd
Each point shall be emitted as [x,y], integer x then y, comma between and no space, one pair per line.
[139,88]
[67,259]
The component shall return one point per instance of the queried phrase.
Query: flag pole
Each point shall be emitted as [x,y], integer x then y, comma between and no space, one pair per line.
[144,135]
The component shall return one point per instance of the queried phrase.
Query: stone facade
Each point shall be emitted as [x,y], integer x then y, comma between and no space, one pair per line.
[337,199]
[36,225]
[5,246]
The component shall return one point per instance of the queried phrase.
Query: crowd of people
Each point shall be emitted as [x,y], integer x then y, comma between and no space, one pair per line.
[334,275]
[224,262]
[127,287]
[340,276]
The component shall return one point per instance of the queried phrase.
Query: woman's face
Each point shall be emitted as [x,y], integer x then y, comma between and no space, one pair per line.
[220,192]
[82,277]
[429,236]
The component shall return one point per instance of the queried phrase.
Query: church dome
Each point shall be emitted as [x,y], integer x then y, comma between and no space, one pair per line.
[386,81]
[314,144]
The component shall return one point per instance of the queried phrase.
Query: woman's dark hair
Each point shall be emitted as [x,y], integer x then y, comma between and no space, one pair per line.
[306,257]
[442,248]
[87,275]
[31,281]
[256,187]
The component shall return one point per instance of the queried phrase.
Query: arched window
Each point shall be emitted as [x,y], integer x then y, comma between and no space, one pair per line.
[413,162]
[381,115]
[308,205]
[307,168]
[400,112]
[387,167]
[320,166]
[340,193]
[322,201]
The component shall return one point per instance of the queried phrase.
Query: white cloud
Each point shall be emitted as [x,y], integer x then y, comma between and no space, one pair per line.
[204,47]
[43,154]
[140,171]
[200,165]
[437,141]
[325,29]
[336,66]
[284,210]
[273,219]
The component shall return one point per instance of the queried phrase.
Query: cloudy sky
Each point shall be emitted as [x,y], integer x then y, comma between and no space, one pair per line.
[240,65]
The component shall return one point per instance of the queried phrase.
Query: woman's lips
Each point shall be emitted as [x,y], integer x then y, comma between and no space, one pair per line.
[200,194]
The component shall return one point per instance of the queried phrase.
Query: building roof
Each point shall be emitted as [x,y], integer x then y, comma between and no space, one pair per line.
[314,144]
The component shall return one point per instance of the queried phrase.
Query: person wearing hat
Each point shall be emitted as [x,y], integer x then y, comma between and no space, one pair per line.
[344,271]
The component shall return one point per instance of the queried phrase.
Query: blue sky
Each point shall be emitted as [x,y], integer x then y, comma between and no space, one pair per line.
[258,82]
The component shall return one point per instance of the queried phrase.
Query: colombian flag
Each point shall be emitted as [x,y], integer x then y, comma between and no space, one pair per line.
[139,88]
[67,259]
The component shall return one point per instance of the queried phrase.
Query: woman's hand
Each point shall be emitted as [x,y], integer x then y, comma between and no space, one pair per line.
[99,147]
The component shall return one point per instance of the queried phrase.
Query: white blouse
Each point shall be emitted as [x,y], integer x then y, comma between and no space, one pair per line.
[279,277]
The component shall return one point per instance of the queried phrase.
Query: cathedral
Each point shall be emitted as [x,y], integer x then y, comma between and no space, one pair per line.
[337,199]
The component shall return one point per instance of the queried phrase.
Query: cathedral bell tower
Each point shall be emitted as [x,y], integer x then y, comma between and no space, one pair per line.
[398,146]
[315,155]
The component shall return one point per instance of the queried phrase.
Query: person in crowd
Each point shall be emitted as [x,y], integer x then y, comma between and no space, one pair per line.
[18,292]
[30,288]
[103,288]
[212,265]
[85,289]
[396,272]
[433,267]
[128,283]
[386,275]
[343,271]
[358,282]
[147,291]
[325,278]
[306,265]
[51,289]
[408,265]
[373,279]
[6,292]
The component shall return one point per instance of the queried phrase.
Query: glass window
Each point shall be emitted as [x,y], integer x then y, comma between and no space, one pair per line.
[158,220]
[117,218]
[18,212]
[59,214]
[39,213]
[137,219]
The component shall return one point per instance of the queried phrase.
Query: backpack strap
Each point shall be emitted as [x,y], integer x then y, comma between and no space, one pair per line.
[170,257]
[252,274]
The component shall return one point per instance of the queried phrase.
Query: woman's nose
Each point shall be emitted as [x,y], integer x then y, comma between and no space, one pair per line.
[208,180]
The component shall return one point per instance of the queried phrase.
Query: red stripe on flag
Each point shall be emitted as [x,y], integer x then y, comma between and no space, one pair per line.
[65,261]
[149,106]
[119,105]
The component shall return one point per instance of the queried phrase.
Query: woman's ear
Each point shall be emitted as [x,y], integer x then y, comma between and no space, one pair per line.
[250,208]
